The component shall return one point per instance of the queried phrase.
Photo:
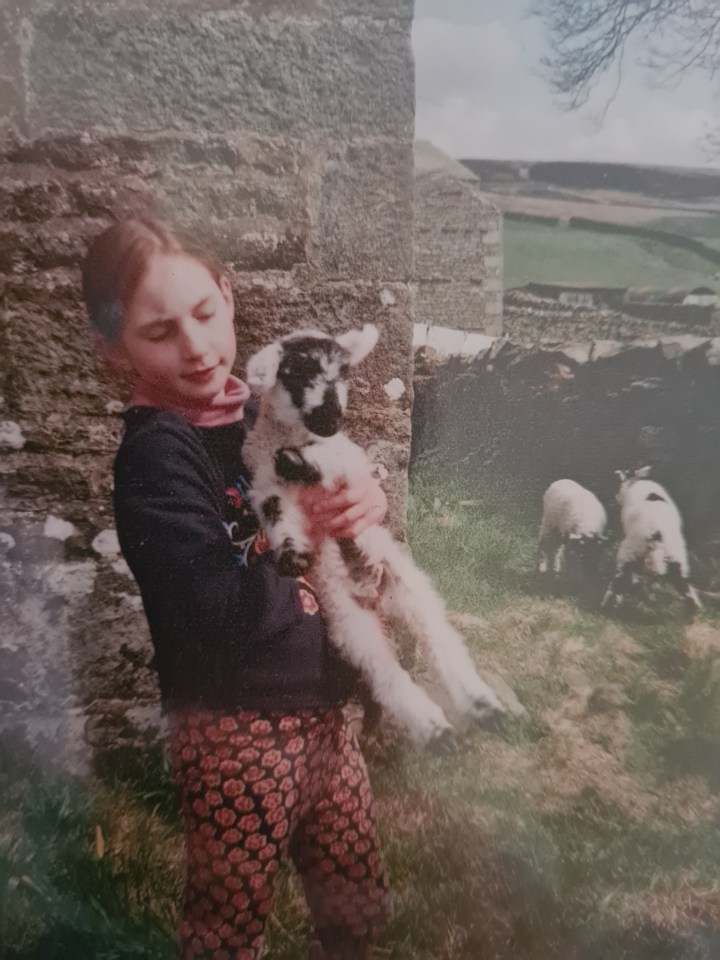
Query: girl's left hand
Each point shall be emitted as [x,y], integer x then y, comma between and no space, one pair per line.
[344,513]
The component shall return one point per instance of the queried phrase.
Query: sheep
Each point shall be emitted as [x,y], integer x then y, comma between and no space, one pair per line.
[572,529]
[653,541]
[297,439]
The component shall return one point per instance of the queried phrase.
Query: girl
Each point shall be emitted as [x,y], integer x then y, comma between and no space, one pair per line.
[262,753]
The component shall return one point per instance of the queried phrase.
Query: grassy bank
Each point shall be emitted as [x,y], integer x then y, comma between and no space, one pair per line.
[588,829]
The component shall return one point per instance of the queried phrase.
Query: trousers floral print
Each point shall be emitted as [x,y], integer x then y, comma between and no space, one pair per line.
[255,787]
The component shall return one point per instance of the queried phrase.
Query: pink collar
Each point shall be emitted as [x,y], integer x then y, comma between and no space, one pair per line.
[226,407]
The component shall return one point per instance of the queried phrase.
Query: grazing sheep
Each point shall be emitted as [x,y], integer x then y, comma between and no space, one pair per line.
[297,439]
[653,541]
[572,529]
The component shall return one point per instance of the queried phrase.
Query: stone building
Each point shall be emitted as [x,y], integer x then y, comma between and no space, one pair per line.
[458,247]
[281,133]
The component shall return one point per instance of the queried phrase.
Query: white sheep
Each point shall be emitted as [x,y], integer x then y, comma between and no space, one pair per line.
[653,541]
[572,529]
[297,439]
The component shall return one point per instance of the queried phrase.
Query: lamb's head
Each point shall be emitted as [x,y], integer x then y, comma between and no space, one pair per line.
[306,374]
[626,479]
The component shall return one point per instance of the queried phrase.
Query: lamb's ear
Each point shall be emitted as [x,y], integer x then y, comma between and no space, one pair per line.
[643,472]
[262,368]
[359,343]
[621,476]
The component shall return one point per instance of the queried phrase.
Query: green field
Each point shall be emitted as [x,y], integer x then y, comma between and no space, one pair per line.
[560,254]
[704,228]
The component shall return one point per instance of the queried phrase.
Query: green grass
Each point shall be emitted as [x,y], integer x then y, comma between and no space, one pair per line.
[549,254]
[586,831]
[705,228]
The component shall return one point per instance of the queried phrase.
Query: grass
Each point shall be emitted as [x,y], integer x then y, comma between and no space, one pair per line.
[705,228]
[588,830]
[549,254]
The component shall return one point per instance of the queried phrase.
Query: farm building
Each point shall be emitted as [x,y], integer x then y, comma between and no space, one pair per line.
[457,247]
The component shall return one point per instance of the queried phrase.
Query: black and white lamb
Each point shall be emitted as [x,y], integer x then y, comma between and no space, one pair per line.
[298,440]
[653,541]
[572,530]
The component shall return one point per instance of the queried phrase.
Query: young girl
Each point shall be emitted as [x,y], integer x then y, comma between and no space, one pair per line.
[263,755]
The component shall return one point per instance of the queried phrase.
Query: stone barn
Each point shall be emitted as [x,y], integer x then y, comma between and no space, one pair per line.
[458,247]
[282,134]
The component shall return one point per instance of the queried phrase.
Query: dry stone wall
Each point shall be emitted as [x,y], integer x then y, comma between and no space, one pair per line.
[528,318]
[281,133]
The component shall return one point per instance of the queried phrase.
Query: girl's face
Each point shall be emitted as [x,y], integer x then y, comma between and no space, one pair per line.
[178,334]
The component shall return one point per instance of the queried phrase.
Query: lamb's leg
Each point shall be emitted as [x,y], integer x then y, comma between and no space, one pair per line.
[284,524]
[410,596]
[548,548]
[358,635]
[679,579]
[291,465]
[620,584]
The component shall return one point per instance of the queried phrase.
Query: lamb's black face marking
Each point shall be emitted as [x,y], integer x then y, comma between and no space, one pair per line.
[313,370]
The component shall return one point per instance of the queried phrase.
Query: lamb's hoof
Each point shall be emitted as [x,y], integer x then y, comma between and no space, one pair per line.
[442,743]
[291,466]
[486,715]
[291,564]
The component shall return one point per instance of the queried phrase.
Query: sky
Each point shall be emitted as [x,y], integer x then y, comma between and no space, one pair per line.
[480,93]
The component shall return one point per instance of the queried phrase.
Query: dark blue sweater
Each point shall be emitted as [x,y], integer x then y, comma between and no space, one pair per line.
[229,632]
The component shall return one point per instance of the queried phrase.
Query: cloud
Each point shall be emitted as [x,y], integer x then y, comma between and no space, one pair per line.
[479,94]
[458,60]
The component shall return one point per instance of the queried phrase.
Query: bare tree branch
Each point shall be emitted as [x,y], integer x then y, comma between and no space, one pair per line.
[587,37]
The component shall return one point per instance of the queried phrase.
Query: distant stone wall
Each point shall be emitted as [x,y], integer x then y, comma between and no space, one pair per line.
[458,255]
[280,132]
[527,318]
[536,413]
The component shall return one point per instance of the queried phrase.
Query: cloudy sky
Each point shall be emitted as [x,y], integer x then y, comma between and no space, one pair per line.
[480,94]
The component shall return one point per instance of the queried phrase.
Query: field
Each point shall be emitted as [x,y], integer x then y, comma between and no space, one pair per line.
[561,254]
[588,830]
[705,228]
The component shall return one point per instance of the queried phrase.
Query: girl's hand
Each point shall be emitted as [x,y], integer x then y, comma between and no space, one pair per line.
[344,513]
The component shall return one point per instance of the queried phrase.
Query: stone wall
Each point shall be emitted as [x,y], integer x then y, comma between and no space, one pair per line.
[535,413]
[458,255]
[529,318]
[281,133]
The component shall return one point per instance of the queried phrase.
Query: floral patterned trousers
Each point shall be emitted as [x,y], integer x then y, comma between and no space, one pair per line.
[255,787]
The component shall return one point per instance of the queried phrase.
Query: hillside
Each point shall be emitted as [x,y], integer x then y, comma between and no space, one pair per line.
[660,183]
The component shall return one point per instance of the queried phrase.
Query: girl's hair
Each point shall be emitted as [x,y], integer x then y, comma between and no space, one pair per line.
[117,260]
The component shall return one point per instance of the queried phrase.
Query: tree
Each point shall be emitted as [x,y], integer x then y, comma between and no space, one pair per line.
[587,38]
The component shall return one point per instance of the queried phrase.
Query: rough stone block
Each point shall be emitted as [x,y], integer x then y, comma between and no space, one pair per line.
[139,71]
[51,360]
[278,9]
[364,227]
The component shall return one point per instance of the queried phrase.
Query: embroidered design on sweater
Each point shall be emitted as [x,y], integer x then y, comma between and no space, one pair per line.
[242,524]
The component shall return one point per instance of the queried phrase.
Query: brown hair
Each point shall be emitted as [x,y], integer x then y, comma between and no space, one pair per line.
[117,260]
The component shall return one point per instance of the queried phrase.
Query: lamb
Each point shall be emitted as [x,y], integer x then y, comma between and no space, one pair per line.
[572,529]
[653,541]
[297,439]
